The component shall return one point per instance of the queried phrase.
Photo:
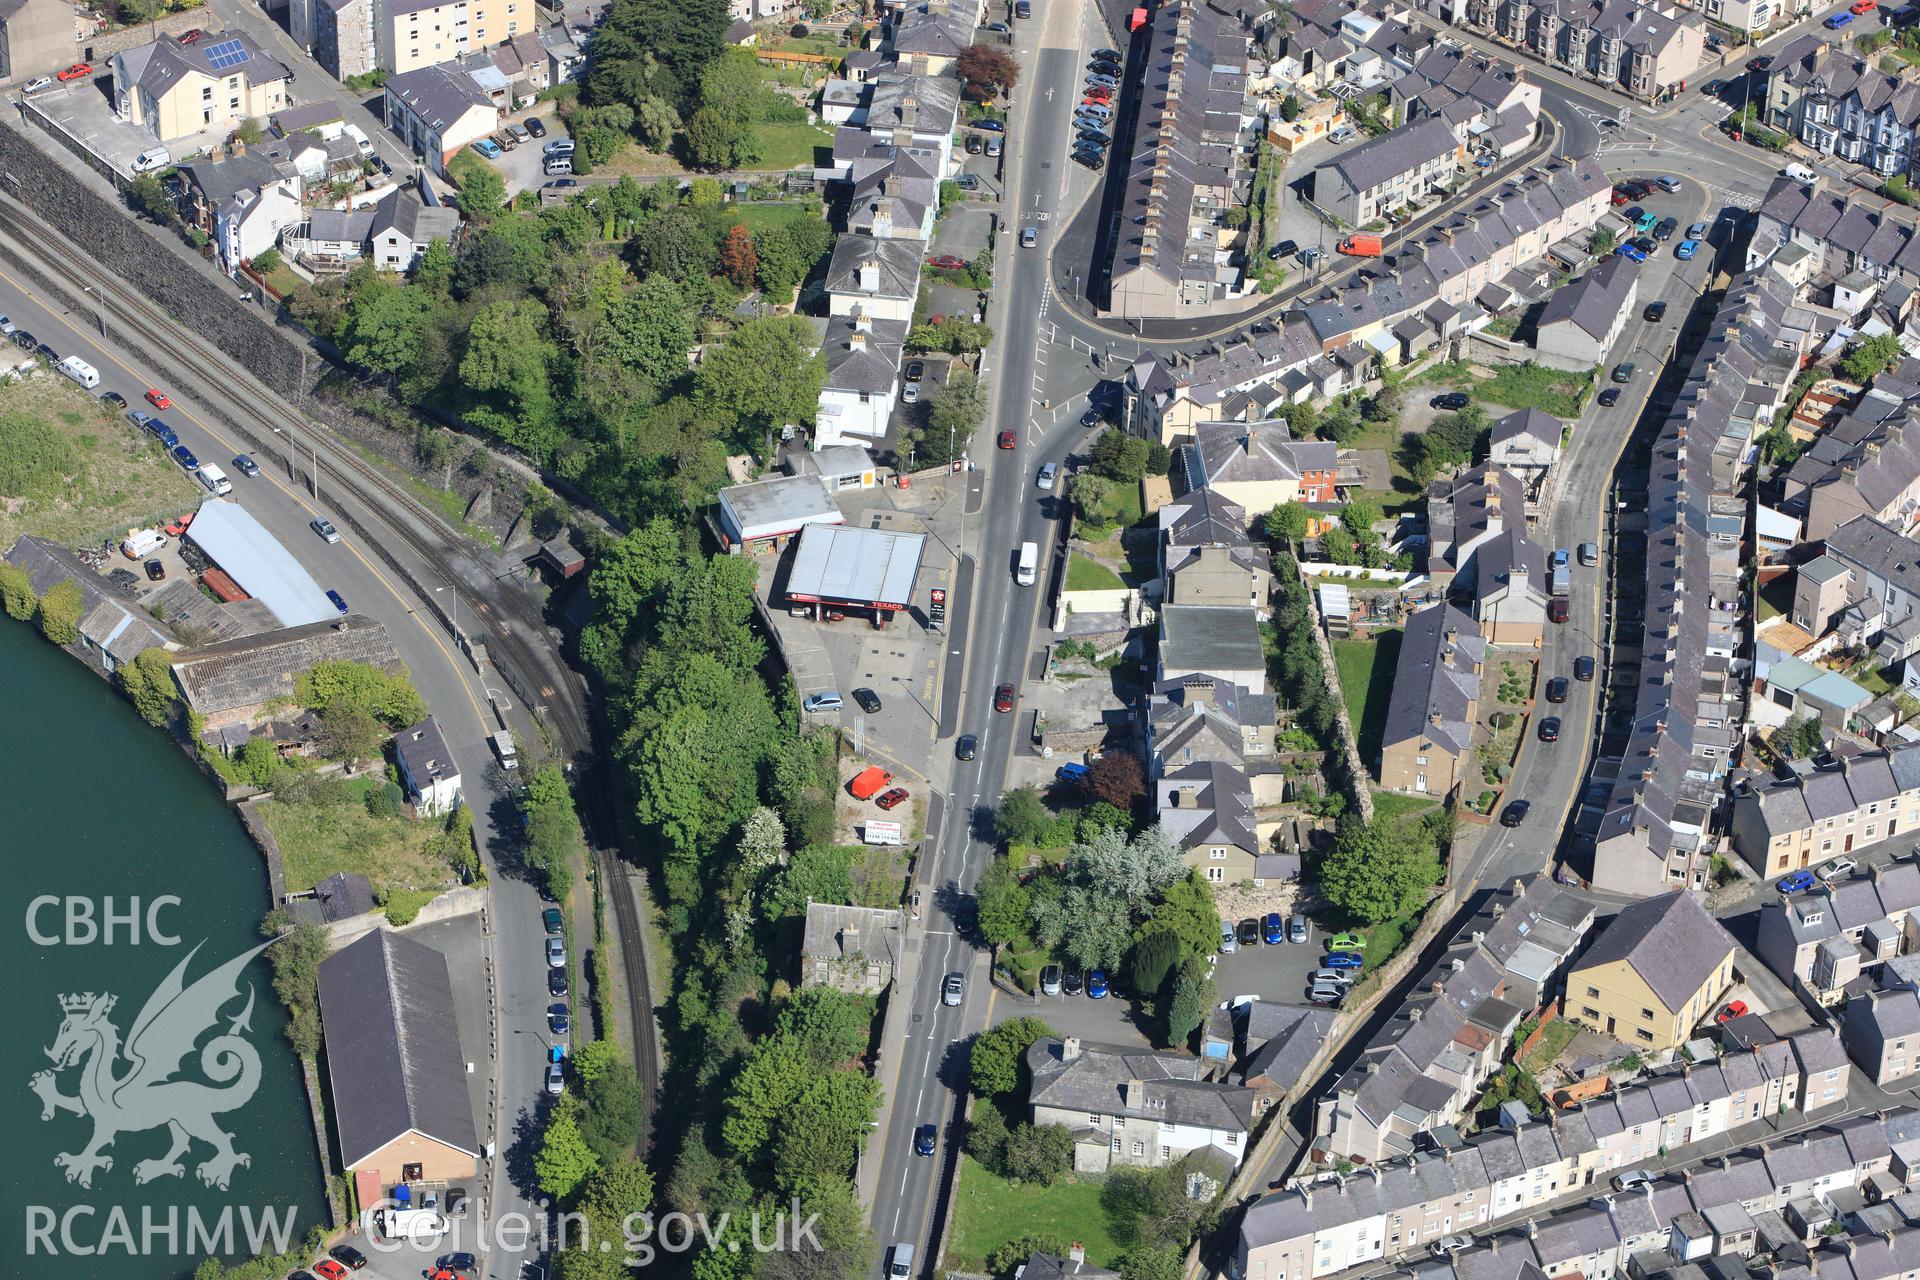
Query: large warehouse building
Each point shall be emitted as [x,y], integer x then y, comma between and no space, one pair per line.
[852,569]
[254,558]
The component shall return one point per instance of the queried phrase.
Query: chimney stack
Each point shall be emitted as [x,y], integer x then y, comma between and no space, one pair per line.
[1078,1253]
[1070,1049]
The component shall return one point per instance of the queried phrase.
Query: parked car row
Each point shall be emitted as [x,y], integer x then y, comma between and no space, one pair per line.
[1056,980]
[1093,118]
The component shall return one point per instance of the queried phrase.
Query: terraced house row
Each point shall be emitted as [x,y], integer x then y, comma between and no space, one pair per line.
[1398,1207]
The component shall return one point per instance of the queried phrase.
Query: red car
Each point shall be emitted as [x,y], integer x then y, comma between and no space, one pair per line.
[1006,440]
[1620,197]
[328,1269]
[1003,698]
[1862,6]
[1734,1009]
[947,262]
[892,798]
[78,71]
[1099,95]
[175,527]
[191,37]
[158,399]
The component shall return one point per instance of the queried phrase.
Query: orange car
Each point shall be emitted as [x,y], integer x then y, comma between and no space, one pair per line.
[158,399]
[78,71]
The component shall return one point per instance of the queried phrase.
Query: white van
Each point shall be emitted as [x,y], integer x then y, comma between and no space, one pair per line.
[1028,564]
[504,748]
[900,1265]
[148,161]
[145,542]
[214,478]
[80,371]
[1799,173]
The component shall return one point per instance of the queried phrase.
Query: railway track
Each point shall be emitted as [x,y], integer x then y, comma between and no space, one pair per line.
[543,683]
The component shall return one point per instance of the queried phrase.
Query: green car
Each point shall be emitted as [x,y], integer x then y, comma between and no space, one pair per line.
[1346,942]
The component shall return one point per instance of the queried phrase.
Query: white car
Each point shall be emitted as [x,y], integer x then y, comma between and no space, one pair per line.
[910,394]
[1047,473]
[7,327]
[1838,867]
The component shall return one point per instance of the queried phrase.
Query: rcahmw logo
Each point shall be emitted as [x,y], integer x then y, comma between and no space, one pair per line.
[132,1086]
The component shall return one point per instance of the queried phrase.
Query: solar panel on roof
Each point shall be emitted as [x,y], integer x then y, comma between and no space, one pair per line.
[228,53]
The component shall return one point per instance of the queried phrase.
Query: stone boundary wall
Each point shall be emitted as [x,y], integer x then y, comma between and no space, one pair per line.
[1362,794]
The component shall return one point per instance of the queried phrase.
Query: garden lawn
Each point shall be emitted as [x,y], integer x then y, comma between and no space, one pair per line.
[1393,805]
[1366,683]
[1087,574]
[1553,1041]
[317,840]
[759,217]
[789,146]
[1776,598]
[1521,386]
[989,1211]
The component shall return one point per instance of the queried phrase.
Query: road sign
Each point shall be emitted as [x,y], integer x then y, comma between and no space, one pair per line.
[937,609]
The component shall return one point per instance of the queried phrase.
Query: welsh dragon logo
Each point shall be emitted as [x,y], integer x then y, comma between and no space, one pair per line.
[147,1095]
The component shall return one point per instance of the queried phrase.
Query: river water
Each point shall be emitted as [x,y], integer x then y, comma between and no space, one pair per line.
[101,815]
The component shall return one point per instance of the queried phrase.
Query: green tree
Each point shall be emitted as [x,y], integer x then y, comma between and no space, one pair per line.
[1193,995]
[1000,1055]
[350,733]
[148,195]
[717,140]
[825,1128]
[1120,456]
[1014,1253]
[642,341]
[59,613]
[775,1074]
[956,413]
[1359,516]
[250,131]
[834,1027]
[385,327]
[613,1103]
[1290,108]
[1088,925]
[1376,872]
[817,873]
[148,683]
[1155,957]
[761,376]
[1802,737]
[1287,523]
[1037,1153]
[1186,911]
[482,193]
[564,1160]
[678,245]
[987,1136]
[1003,904]
[1871,358]
[295,959]
[333,683]
[507,365]
[1148,1262]
[1020,817]
[780,264]
[16,592]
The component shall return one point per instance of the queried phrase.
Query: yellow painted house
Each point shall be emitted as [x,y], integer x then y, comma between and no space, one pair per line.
[1654,974]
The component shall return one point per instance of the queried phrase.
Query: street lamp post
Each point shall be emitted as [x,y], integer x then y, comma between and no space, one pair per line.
[453,614]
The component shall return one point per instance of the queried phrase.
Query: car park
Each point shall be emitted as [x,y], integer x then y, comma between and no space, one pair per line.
[1090,160]
[556,1080]
[1557,689]
[890,799]
[1619,196]
[556,982]
[246,466]
[1342,976]
[536,126]
[924,1139]
[1345,960]
[1228,943]
[558,147]
[1644,244]
[1272,932]
[348,1256]
[1838,867]
[947,262]
[1248,931]
[78,71]
[994,146]
[556,953]
[519,133]
[1515,813]
[1070,983]
[339,601]
[953,989]
[1550,729]
[1686,249]
[1326,995]
[1656,311]
[1346,942]
[1667,183]
[974,144]
[828,701]
[990,126]
[488,148]
[1665,228]
[869,700]
[324,527]
[1795,882]
[1111,55]
[966,747]
[1095,136]
[1072,772]
[552,921]
[1003,698]
[1583,667]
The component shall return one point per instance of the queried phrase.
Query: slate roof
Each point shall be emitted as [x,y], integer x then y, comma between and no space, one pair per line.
[1875,546]
[1045,1266]
[110,618]
[896,264]
[422,751]
[165,63]
[936,28]
[876,928]
[1207,802]
[1255,453]
[1672,942]
[1216,638]
[439,94]
[1436,682]
[220,180]
[254,669]
[1594,301]
[1798,802]
[1380,160]
[1204,518]
[1093,1083]
[394,1059]
[863,355]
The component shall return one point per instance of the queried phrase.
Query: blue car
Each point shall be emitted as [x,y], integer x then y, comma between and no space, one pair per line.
[923,1139]
[1070,772]
[1632,252]
[163,433]
[338,602]
[1837,21]
[1345,960]
[1273,929]
[1097,984]
[1686,249]
[184,456]
[488,148]
[1796,882]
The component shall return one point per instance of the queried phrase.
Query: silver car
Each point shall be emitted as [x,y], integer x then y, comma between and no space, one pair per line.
[556,953]
[556,1079]
[1047,473]
[952,989]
